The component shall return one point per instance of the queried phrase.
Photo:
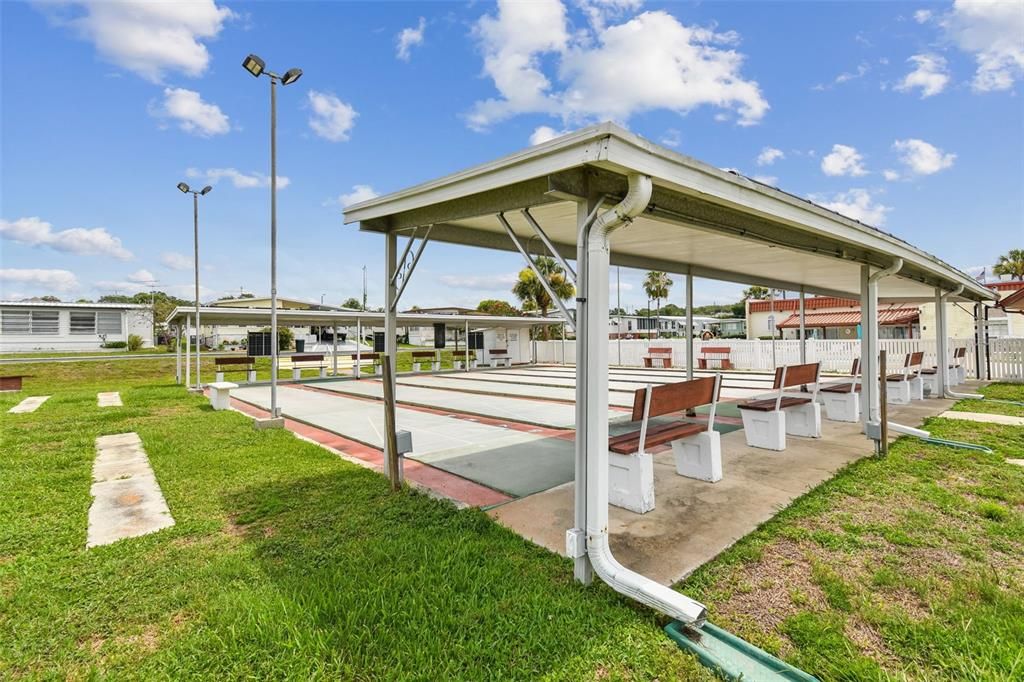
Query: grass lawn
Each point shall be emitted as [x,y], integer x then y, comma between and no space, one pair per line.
[287,561]
[94,352]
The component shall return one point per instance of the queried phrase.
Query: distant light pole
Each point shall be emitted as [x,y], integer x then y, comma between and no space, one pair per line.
[257,67]
[195,257]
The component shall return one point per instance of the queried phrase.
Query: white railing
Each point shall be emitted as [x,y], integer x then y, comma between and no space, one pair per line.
[1006,354]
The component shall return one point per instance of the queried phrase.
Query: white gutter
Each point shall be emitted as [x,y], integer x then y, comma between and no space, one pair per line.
[620,578]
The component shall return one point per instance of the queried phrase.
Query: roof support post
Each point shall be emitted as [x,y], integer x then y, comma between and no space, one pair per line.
[334,351]
[188,352]
[868,345]
[177,354]
[467,346]
[390,326]
[533,266]
[359,346]
[803,337]
[980,347]
[689,325]
[549,245]
[941,360]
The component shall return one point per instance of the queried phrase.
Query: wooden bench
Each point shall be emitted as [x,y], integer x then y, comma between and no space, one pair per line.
[842,399]
[308,361]
[906,384]
[956,373]
[236,364]
[459,359]
[658,357]
[499,357]
[766,421]
[425,357]
[697,447]
[714,357]
[378,368]
[12,382]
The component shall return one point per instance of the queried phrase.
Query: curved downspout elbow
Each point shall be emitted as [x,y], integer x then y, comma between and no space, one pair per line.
[896,266]
[621,579]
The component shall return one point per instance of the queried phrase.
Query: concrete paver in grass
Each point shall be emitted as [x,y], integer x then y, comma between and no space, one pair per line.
[30,404]
[127,501]
[1006,420]
[111,399]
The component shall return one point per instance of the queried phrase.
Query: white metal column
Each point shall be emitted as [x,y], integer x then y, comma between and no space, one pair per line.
[390,320]
[689,325]
[359,346]
[941,356]
[803,331]
[177,354]
[334,354]
[868,346]
[466,350]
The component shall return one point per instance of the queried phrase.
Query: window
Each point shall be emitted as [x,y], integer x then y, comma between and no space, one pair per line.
[45,322]
[15,322]
[83,322]
[108,322]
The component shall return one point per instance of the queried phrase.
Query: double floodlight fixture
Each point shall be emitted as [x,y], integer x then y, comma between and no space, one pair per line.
[257,67]
[186,189]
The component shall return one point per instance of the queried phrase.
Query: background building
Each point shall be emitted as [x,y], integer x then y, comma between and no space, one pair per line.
[53,326]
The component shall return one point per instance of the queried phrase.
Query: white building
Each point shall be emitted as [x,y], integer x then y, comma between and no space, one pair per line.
[44,326]
[641,326]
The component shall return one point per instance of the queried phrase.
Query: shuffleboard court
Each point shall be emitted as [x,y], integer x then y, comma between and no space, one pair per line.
[540,390]
[520,409]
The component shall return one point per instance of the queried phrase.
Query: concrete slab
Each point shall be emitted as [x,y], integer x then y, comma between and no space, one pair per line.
[521,409]
[694,521]
[1006,420]
[30,404]
[1016,462]
[111,399]
[539,390]
[127,501]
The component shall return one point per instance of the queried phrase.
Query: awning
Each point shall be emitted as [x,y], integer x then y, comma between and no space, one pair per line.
[1013,302]
[291,317]
[892,316]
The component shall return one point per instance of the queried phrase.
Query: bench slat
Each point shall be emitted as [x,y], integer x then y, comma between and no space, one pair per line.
[768,404]
[629,443]
[839,388]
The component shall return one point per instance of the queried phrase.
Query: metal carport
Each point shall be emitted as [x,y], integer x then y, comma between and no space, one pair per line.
[604,195]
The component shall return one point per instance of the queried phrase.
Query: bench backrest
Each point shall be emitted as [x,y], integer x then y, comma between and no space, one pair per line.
[366,356]
[424,354]
[916,359]
[498,351]
[675,397]
[233,361]
[715,350]
[311,357]
[959,354]
[659,351]
[855,370]
[796,375]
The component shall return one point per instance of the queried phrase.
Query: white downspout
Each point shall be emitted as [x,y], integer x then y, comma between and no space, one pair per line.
[595,300]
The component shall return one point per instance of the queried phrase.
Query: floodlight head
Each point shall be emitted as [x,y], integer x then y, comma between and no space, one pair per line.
[206,190]
[183,187]
[254,65]
[290,76]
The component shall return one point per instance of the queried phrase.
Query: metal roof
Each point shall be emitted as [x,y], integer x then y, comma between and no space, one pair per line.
[92,306]
[851,319]
[251,317]
[701,219]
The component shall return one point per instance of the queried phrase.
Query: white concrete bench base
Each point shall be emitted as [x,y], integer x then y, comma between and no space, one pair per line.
[220,394]
[916,388]
[804,420]
[897,392]
[765,430]
[699,456]
[960,374]
[841,407]
[631,481]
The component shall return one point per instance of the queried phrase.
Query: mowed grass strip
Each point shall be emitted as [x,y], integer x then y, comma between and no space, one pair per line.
[285,561]
[907,567]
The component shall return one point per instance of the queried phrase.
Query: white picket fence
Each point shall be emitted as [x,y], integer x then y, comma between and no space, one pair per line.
[1006,355]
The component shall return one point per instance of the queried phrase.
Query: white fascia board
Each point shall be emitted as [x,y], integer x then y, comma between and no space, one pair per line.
[261,316]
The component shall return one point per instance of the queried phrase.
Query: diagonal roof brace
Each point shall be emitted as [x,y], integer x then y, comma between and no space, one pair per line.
[551,247]
[405,254]
[407,275]
[570,320]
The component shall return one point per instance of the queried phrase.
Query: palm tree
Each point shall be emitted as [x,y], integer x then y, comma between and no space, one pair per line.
[530,291]
[1011,263]
[656,286]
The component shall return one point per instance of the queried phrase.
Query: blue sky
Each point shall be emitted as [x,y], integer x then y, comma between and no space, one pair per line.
[904,115]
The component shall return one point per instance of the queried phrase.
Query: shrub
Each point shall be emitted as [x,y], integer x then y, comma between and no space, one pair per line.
[134,342]
[115,344]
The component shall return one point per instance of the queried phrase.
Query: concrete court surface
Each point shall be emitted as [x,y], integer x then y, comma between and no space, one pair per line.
[519,408]
[694,521]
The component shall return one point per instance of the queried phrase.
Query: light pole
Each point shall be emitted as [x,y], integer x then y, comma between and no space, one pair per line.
[195,257]
[257,67]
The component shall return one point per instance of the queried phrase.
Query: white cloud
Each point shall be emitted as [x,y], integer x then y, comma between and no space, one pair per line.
[599,12]
[929,74]
[239,179]
[486,282]
[922,158]
[78,240]
[654,61]
[766,179]
[769,155]
[50,280]
[358,193]
[859,205]
[332,119]
[409,38]
[843,160]
[542,134]
[191,113]
[861,70]
[175,260]
[142,276]
[148,38]
[890,175]
[991,30]
[672,138]
[923,16]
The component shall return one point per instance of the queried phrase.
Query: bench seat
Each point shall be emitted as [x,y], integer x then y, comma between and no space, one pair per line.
[628,443]
[840,388]
[768,404]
